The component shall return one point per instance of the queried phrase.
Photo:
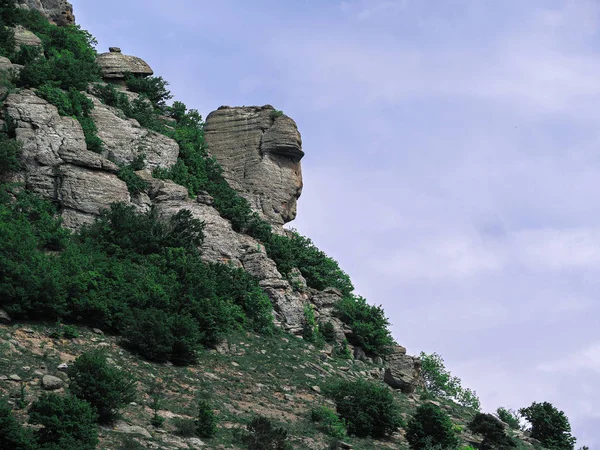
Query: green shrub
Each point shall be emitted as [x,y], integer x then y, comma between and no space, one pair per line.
[66,422]
[10,155]
[368,324]
[342,350]
[367,408]
[310,330]
[263,434]
[135,184]
[549,425]
[494,437]
[327,330]
[105,387]
[206,421]
[509,417]
[430,426]
[185,427]
[276,113]
[441,383]
[153,88]
[12,435]
[329,422]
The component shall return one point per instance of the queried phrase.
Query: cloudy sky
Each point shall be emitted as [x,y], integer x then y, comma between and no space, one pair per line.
[452,163]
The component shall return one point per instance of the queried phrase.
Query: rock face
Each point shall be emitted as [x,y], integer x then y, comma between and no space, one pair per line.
[402,371]
[59,12]
[25,37]
[115,64]
[260,151]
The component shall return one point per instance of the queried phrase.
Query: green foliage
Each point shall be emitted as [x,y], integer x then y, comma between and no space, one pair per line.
[367,408]
[64,331]
[342,350]
[153,88]
[135,184]
[185,427]
[206,421]
[299,252]
[368,323]
[327,330]
[509,417]
[105,387]
[12,435]
[276,113]
[310,329]
[69,57]
[329,422]
[10,155]
[66,422]
[264,435]
[549,425]
[430,426]
[441,383]
[494,437]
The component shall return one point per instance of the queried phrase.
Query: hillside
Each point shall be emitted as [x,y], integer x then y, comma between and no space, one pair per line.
[132,226]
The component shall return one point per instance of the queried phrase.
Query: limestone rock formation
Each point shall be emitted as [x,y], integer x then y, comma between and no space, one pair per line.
[402,371]
[57,163]
[59,12]
[25,37]
[115,65]
[260,151]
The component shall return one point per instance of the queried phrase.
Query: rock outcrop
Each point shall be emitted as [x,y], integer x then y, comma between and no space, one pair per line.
[59,12]
[25,37]
[402,371]
[260,151]
[114,65]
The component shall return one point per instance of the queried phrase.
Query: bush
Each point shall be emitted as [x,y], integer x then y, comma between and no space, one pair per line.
[367,408]
[368,323]
[12,435]
[263,435]
[10,155]
[329,422]
[441,383]
[510,417]
[206,422]
[153,88]
[430,426]
[105,387]
[327,330]
[185,427]
[549,426]
[494,437]
[67,422]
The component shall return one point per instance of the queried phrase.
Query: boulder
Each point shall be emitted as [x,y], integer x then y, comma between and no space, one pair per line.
[25,37]
[51,383]
[59,12]
[4,317]
[402,372]
[260,151]
[114,65]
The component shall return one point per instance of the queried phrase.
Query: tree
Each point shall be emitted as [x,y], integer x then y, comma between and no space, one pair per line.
[368,408]
[549,426]
[509,417]
[67,422]
[494,437]
[105,387]
[430,426]
[12,435]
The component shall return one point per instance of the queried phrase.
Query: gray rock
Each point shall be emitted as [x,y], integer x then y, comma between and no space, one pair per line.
[97,331]
[25,37]
[260,155]
[115,64]
[4,317]
[360,354]
[124,139]
[402,372]
[59,12]
[122,427]
[14,377]
[51,383]
[63,366]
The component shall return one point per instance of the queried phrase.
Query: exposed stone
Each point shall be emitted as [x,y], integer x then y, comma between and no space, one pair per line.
[14,377]
[63,366]
[125,140]
[402,371]
[25,37]
[360,354]
[51,383]
[122,427]
[114,65]
[4,317]
[59,12]
[260,153]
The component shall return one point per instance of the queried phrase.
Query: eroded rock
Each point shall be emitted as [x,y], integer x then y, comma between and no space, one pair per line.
[260,151]
[402,372]
[59,12]
[114,65]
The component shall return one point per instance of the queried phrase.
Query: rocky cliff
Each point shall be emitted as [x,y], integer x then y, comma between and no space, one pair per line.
[59,12]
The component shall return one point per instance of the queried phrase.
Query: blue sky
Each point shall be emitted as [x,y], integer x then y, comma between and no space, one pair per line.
[452,163]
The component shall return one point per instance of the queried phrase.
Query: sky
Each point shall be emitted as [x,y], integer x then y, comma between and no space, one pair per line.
[452,163]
